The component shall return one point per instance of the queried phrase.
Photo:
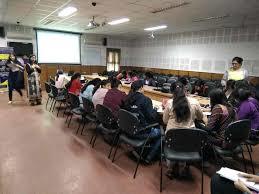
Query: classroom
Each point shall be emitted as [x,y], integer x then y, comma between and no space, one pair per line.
[129,96]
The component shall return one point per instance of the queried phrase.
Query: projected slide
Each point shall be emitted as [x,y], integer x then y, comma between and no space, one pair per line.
[58,47]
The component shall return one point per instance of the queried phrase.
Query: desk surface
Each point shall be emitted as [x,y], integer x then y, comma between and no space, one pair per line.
[156,96]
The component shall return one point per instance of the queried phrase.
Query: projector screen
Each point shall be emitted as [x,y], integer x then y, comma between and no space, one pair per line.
[58,47]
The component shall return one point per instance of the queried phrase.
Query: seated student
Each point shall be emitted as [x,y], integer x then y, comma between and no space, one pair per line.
[140,104]
[149,79]
[199,88]
[87,90]
[122,75]
[220,185]
[100,92]
[187,85]
[230,86]
[74,85]
[114,97]
[222,114]
[180,112]
[248,108]
[60,80]
[132,76]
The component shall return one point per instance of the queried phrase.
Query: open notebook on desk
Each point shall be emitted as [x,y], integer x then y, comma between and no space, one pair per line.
[233,176]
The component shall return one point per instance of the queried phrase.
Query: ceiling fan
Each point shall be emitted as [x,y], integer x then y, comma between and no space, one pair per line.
[93,24]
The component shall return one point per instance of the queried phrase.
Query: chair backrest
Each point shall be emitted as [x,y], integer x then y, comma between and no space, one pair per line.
[54,90]
[209,86]
[47,87]
[104,115]
[128,122]
[74,100]
[161,81]
[88,105]
[237,132]
[172,80]
[185,140]
[52,81]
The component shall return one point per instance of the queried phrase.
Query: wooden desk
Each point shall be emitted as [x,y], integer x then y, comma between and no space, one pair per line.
[150,92]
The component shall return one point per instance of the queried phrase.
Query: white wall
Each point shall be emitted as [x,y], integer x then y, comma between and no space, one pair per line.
[205,51]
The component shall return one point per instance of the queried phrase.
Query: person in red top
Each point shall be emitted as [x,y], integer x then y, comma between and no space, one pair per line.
[74,86]
[114,97]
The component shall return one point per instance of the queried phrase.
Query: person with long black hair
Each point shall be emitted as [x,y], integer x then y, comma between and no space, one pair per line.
[222,114]
[140,104]
[87,90]
[34,89]
[180,112]
[14,67]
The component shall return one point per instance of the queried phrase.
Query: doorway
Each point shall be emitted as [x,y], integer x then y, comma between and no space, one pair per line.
[113,59]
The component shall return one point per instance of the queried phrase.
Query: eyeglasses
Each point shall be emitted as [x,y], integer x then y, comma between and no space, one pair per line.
[234,63]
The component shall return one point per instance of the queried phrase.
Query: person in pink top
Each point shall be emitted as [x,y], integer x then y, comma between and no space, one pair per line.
[132,76]
[100,91]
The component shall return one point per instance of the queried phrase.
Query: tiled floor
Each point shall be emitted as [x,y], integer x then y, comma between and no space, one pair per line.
[39,154]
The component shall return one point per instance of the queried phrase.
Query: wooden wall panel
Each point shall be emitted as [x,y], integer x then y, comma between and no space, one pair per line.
[204,75]
[183,73]
[52,70]
[75,68]
[97,69]
[194,74]
[216,76]
[65,68]
[85,70]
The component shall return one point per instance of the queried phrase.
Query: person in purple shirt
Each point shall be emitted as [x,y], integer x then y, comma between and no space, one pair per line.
[248,109]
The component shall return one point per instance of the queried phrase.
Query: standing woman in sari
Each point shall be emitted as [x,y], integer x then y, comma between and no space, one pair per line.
[34,90]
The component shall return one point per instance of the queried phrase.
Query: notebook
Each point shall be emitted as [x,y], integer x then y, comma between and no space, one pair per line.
[233,176]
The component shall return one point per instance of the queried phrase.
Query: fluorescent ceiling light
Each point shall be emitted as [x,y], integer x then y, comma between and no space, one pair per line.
[67,11]
[155,28]
[120,21]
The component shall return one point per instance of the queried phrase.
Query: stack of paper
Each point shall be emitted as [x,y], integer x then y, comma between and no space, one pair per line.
[233,175]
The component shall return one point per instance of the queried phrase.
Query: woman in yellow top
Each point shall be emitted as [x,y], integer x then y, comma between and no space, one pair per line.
[236,72]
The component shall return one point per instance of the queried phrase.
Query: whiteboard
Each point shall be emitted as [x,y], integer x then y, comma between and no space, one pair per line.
[92,56]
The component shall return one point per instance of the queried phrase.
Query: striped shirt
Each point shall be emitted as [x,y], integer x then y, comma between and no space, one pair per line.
[221,117]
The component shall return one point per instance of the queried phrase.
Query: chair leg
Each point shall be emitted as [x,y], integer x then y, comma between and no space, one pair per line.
[47,102]
[93,135]
[64,111]
[79,125]
[83,127]
[161,174]
[251,149]
[115,152]
[202,173]
[140,157]
[54,106]
[52,102]
[96,135]
[244,162]
[59,108]
[251,160]
[113,142]
[70,120]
